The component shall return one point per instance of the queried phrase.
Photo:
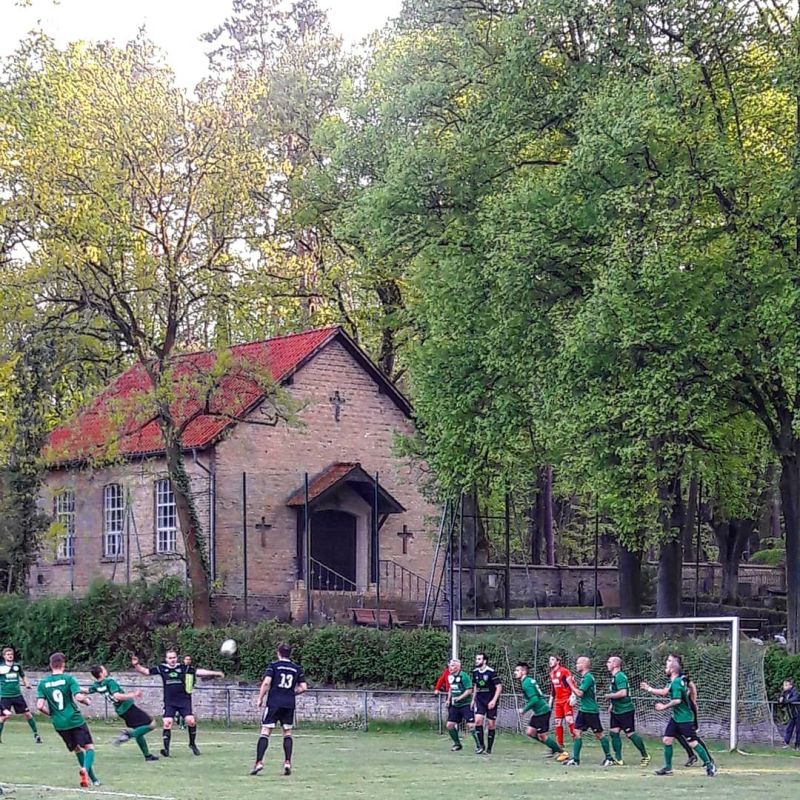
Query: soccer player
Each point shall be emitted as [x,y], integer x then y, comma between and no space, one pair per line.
[539,724]
[692,758]
[559,699]
[588,714]
[178,679]
[56,697]
[681,720]
[12,679]
[459,705]
[139,723]
[283,681]
[622,712]
[486,689]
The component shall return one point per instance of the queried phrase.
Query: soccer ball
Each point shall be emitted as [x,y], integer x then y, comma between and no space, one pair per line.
[229,648]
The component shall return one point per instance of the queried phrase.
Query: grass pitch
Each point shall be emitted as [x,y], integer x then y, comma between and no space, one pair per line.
[384,764]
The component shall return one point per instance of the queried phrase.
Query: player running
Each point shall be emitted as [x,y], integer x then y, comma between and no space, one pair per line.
[459,705]
[622,712]
[56,697]
[692,758]
[682,720]
[12,679]
[559,699]
[178,680]
[588,714]
[539,724]
[139,723]
[486,689]
[283,681]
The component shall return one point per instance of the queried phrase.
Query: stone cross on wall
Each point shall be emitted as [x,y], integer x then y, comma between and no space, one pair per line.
[263,526]
[337,401]
[406,534]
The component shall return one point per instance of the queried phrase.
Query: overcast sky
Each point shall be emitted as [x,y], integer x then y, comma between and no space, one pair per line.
[175,25]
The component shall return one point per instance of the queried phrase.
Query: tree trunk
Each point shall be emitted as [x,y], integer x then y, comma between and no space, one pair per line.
[191,530]
[534,531]
[630,582]
[689,526]
[547,516]
[790,500]
[731,537]
[669,591]
[475,553]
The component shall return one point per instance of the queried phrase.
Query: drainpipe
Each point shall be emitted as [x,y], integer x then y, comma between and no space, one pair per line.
[212,512]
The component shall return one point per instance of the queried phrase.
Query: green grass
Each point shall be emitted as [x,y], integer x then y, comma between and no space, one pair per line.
[385,764]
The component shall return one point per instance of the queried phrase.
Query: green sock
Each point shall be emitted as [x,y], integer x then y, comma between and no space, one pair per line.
[576,749]
[668,756]
[552,744]
[638,743]
[79,756]
[1,728]
[604,745]
[88,760]
[142,742]
[616,743]
[454,735]
[142,730]
[32,723]
[703,753]
[477,741]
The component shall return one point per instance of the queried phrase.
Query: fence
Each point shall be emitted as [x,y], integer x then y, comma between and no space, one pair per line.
[357,709]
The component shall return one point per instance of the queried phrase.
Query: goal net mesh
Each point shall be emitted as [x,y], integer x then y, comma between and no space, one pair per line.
[706,653]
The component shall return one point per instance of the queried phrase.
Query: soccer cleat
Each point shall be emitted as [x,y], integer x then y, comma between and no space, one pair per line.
[562,756]
[193,748]
[164,753]
[711,769]
[645,761]
[150,757]
[663,771]
[287,767]
[84,778]
[479,750]
[691,762]
[37,739]
[571,763]
[257,767]
[96,783]
[608,762]
[121,739]
[456,747]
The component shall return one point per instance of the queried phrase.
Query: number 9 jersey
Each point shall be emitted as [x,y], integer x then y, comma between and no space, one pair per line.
[59,690]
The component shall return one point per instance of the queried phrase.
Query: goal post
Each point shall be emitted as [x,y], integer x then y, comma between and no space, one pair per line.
[715,669]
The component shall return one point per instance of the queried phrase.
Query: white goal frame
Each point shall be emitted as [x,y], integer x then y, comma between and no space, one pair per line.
[583,623]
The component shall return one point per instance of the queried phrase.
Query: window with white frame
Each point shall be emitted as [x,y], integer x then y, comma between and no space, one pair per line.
[65,517]
[114,516]
[166,518]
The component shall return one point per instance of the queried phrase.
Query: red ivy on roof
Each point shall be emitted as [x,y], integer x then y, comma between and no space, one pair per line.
[109,424]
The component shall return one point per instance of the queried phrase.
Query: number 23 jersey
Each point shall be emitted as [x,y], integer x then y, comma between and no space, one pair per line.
[286,675]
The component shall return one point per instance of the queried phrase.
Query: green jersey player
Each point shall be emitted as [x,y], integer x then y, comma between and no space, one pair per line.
[539,724]
[682,720]
[622,712]
[138,722]
[588,713]
[459,705]
[57,697]
[12,679]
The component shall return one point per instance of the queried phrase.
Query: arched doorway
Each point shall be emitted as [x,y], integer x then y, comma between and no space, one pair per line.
[333,550]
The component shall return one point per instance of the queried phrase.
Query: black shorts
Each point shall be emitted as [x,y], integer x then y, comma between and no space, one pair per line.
[135,717]
[274,715]
[540,722]
[76,737]
[625,721]
[482,706]
[182,707]
[686,729]
[588,720]
[16,704]
[460,714]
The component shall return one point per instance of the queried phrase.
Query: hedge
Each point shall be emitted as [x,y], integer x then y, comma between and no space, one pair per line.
[778,666]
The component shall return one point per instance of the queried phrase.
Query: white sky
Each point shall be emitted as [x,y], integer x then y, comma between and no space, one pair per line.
[174,25]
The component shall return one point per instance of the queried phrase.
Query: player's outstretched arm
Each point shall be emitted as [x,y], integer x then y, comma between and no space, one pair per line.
[41,704]
[646,687]
[137,665]
[82,698]
[209,673]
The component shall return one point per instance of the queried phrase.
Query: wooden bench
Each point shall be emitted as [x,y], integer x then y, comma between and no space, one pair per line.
[388,617]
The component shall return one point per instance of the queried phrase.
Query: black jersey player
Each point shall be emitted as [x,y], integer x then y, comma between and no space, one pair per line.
[486,689]
[283,681]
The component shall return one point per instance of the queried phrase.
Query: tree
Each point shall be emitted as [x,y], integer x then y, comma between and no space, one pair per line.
[135,203]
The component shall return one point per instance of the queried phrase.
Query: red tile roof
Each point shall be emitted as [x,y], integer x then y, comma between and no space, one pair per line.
[319,484]
[113,423]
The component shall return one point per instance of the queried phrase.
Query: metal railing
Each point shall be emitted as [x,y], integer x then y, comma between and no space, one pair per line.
[402,582]
[329,580]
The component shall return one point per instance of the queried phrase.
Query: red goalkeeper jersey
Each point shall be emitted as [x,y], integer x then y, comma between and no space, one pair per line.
[558,680]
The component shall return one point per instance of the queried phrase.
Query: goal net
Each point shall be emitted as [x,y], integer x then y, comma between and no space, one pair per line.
[728,669]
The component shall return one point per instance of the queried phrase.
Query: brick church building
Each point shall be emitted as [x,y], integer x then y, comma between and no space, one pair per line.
[118,521]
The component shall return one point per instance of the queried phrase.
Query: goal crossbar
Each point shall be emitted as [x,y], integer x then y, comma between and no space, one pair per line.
[555,623]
